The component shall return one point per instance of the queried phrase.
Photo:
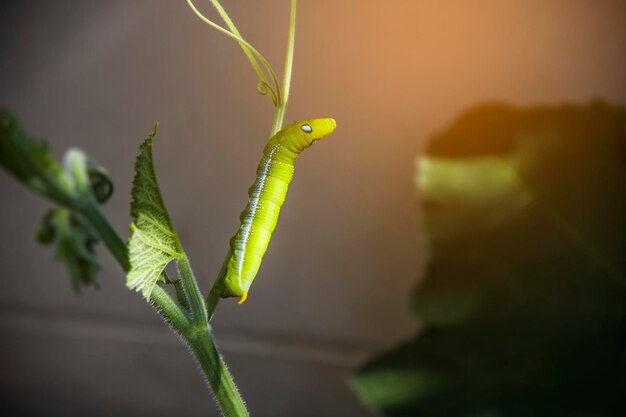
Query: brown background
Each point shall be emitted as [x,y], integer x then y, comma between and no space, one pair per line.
[333,288]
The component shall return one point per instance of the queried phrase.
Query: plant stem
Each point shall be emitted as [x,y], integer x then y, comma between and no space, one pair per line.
[192,292]
[180,294]
[233,29]
[217,374]
[213,298]
[263,87]
[281,109]
[170,311]
[197,335]
[109,236]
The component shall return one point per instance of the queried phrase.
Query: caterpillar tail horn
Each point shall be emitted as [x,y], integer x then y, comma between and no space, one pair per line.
[244,297]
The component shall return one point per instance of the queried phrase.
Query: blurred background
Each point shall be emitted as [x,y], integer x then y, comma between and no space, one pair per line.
[334,287]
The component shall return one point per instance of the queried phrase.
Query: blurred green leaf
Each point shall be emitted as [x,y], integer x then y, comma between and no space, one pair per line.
[78,184]
[75,241]
[153,242]
[100,181]
[523,305]
[30,160]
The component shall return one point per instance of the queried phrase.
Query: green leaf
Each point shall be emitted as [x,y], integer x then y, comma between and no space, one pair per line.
[75,241]
[522,305]
[29,160]
[32,162]
[153,242]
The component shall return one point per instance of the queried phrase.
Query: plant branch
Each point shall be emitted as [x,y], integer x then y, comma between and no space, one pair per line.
[170,311]
[107,233]
[213,298]
[197,335]
[192,292]
[217,374]
[263,87]
[231,25]
[281,109]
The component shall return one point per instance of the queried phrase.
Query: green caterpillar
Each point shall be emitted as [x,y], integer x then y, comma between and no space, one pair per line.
[266,196]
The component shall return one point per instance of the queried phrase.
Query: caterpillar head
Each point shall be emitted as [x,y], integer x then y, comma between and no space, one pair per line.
[306,132]
[299,136]
[316,129]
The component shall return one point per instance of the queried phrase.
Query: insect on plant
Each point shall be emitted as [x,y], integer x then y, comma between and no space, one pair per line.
[274,173]
[76,223]
[267,195]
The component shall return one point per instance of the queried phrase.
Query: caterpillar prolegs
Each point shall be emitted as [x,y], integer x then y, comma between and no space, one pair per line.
[266,196]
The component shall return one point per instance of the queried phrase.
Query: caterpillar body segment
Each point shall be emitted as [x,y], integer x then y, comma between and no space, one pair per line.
[266,196]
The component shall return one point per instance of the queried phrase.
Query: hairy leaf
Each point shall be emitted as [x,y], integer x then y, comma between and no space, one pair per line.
[523,304]
[153,242]
[75,241]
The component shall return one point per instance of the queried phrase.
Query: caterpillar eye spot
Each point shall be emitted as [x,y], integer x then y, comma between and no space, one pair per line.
[306,128]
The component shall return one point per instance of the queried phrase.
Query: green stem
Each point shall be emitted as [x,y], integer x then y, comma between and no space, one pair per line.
[107,233]
[213,298]
[170,311]
[281,109]
[231,25]
[194,296]
[263,87]
[197,335]
[217,374]
[182,297]
[163,301]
